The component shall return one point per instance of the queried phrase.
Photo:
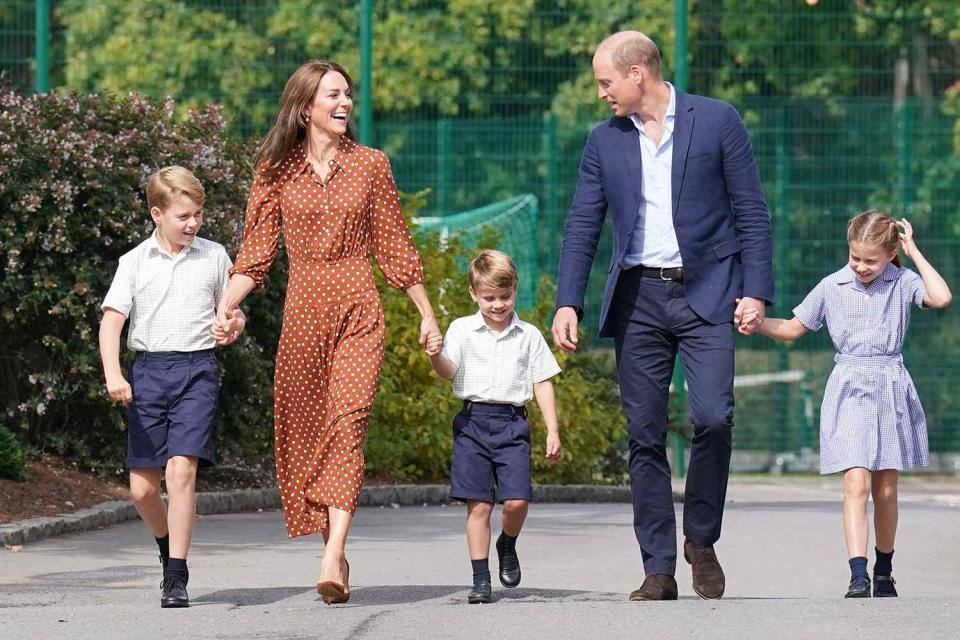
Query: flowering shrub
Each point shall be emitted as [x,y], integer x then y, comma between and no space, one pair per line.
[72,176]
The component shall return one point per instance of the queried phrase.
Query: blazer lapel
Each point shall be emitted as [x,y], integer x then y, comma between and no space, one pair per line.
[682,132]
[629,149]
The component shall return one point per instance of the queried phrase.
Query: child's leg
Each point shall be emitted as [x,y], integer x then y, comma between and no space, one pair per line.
[514,514]
[856,491]
[181,490]
[478,529]
[885,512]
[145,493]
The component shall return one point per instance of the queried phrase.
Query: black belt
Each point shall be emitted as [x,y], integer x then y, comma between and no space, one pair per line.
[667,274]
[494,408]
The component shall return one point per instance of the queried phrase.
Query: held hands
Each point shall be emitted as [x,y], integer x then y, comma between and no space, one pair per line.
[565,329]
[119,390]
[228,326]
[429,330]
[553,447]
[749,315]
[433,344]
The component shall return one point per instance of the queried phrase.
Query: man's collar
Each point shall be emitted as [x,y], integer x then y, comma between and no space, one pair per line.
[668,116]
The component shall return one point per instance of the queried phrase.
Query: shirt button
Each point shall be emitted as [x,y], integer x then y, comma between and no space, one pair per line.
[331,163]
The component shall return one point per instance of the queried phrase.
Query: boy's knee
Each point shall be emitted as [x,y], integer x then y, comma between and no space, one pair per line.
[479,509]
[142,491]
[512,506]
[181,473]
[856,489]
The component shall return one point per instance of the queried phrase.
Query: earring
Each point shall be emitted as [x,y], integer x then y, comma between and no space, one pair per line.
[305,120]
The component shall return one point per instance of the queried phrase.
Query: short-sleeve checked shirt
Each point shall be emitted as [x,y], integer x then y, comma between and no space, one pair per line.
[497,367]
[864,321]
[170,299]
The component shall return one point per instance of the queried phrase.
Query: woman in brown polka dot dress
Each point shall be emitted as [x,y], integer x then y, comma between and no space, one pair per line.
[336,202]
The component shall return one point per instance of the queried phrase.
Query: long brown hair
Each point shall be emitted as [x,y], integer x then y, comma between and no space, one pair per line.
[876,229]
[289,129]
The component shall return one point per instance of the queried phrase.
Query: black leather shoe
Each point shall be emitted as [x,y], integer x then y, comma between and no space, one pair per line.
[173,593]
[509,563]
[859,588]
[884,587]
[656,586]
[481,593]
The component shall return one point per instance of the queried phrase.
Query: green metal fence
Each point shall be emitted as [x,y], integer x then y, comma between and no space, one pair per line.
[850,106]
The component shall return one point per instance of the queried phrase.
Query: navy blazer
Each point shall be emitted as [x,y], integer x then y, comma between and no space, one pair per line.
[719,212]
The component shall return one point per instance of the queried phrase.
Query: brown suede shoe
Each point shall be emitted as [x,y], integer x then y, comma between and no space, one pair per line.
[657,586]
[708,579]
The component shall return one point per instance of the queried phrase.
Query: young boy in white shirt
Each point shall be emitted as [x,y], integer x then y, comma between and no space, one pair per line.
[168,286]
[497,363]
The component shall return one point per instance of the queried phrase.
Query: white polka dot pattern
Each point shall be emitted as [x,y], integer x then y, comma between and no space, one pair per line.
[332,341]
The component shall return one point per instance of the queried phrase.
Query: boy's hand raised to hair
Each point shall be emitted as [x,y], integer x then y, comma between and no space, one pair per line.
[119,390]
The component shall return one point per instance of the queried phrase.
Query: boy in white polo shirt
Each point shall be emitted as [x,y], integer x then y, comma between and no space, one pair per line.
[497,363]
[169,286]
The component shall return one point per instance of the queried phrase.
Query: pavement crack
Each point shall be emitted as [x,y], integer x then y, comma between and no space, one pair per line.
[366,625]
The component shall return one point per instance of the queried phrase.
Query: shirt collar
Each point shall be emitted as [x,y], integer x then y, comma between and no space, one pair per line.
[345,158]
[668,118]
[153,246]
[477,323]
[848,275]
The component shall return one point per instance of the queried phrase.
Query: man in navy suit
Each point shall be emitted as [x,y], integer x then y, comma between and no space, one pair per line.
[691,258]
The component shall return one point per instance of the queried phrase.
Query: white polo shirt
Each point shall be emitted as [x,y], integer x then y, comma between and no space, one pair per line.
[497,367]
[170,299]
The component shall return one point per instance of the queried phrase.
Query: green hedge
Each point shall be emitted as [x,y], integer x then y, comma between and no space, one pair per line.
[72,173]
[12,466]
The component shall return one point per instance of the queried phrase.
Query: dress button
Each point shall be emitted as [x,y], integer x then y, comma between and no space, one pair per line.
[331,163]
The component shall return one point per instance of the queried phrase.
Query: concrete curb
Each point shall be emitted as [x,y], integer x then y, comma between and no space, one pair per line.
[208,503]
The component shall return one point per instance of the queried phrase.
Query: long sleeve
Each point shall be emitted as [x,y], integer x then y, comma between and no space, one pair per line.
[261,233]
[393,246]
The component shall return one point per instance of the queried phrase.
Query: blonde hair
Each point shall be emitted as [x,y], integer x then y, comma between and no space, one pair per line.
[289,128]
[875,229]
[628,48]
[169,182]
[494,270]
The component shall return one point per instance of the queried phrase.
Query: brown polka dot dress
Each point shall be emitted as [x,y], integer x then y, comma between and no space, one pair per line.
[332,340]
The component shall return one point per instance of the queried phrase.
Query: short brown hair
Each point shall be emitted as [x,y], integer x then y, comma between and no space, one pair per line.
[167,183]
[494,270]
[875,229]
[628,48]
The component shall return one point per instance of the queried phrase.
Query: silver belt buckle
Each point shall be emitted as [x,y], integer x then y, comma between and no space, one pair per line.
[661,275]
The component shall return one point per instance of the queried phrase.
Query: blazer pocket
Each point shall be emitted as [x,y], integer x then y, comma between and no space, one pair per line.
[726,248]
[700,157]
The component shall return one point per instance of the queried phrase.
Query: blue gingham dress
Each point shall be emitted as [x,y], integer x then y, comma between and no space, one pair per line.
[871,415]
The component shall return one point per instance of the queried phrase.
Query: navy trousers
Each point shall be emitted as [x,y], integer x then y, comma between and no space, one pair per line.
[652,323]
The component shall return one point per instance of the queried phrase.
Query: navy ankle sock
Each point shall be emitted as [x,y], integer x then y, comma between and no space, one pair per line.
[858,568]
[164,545]
[884,564]
[481,570]
[177,567]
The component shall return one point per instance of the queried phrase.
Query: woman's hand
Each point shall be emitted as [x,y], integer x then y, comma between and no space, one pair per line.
[428,327]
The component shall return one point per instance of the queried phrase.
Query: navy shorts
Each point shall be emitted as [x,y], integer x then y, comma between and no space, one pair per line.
[173,408]
[491,444]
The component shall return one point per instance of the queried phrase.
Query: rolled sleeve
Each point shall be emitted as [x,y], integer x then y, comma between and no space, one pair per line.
[393,246]
[261,232]
[120,295]
[812,311]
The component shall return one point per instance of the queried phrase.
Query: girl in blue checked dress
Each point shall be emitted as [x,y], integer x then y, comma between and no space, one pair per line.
[871,421]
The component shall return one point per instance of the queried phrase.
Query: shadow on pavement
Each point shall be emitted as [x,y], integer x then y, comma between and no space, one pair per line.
[250,597]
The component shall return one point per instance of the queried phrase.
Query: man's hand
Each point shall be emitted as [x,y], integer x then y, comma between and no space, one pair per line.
[749,315]
[565,329]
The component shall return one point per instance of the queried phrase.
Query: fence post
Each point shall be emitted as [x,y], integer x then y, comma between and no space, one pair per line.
[41,35]
[551,187]
[366,72]
[444,165]
[778,437]
[904,153]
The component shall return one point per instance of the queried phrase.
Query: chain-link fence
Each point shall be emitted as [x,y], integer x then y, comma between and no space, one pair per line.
[850,106]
